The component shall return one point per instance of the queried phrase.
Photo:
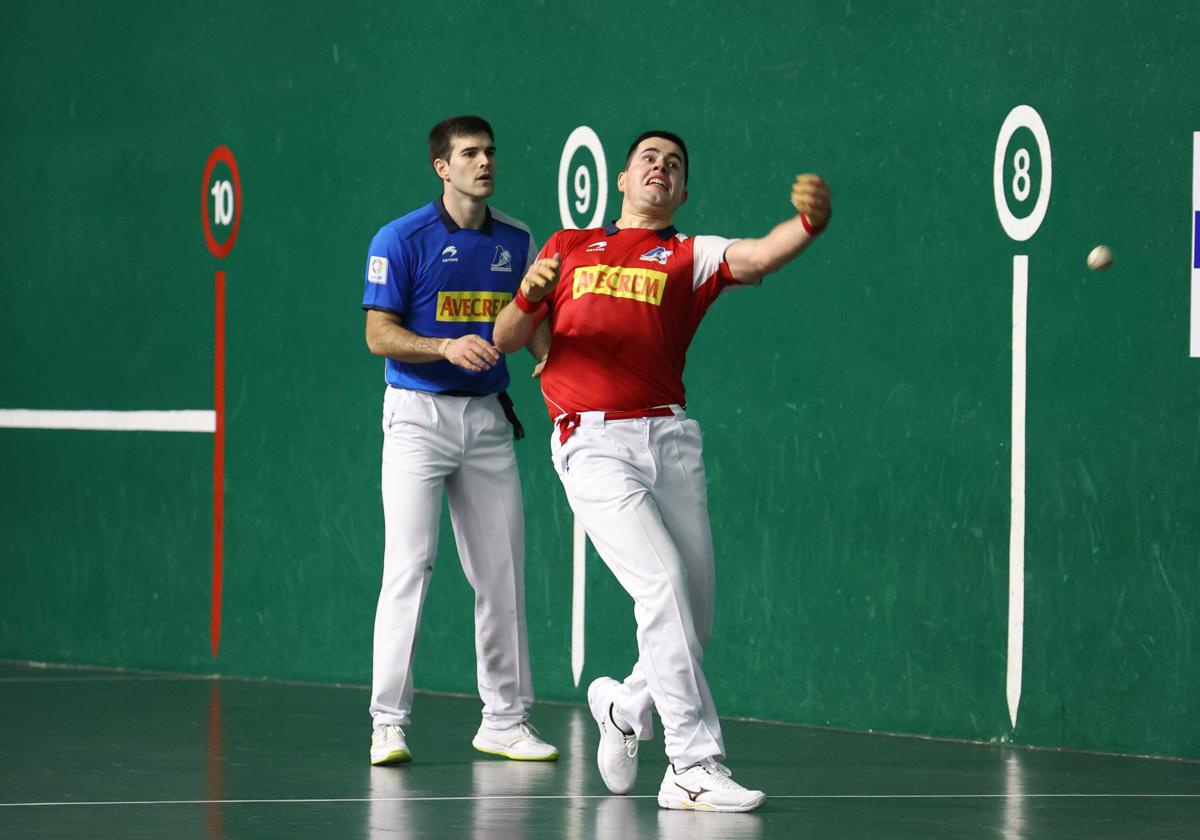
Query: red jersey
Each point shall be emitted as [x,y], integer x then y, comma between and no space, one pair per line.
[624,312]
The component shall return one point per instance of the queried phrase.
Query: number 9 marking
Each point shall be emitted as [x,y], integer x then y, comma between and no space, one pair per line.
[1019,117]
[583,189]
[582,137]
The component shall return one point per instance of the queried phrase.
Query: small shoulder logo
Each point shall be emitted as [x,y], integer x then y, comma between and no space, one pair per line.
[682,237]
[596,246]
[502,260]
[449,254]
[377,270]
[658,255]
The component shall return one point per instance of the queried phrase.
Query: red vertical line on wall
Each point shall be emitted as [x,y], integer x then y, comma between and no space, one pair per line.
[218,464]
[213,755]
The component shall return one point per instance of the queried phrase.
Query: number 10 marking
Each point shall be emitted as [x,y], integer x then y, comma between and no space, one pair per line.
[222,193]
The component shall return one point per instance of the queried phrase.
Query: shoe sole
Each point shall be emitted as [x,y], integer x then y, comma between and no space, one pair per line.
[687,805]
[394,757]
[496,749]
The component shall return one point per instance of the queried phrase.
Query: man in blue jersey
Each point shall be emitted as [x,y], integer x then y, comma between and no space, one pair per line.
[436,280]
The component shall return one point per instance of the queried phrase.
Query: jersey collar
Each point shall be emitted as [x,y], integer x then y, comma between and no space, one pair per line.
[452,226]
[664,234]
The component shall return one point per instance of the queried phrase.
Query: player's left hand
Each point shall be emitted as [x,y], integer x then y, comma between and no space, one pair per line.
[473,353]
[811,197]
[537,369]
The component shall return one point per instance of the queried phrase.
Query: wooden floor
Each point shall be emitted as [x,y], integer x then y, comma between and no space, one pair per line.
[91,753]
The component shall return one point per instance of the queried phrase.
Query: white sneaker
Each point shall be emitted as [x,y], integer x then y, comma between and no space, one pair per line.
[617,755]
[520,742]
[388,745]
[707,786]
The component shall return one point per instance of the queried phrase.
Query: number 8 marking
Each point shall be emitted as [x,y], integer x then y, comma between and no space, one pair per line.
[1021,229]
[1020,184]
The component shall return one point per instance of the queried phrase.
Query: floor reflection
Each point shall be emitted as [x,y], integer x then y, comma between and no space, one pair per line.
[1014,797]
[685,825]
[212,812]
[577,760]
[390,813]
[503,807]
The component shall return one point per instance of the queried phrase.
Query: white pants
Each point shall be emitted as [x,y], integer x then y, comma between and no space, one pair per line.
[638,487]
[462,444]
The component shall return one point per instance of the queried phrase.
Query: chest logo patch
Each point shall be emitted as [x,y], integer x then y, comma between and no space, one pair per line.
[658,255]
[470,306]
[502,261]
[640,284]
[449,254]
[596,246]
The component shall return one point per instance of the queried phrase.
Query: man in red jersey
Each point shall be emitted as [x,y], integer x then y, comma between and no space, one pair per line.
[621,304]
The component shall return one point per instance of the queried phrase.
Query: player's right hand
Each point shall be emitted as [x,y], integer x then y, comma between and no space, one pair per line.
[470,352]
[811,197]
[541,278]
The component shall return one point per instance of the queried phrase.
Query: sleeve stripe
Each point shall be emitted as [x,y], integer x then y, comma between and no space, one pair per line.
[708,253]
[504,218]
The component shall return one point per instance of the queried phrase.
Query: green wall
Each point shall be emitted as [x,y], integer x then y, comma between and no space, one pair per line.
[856,407]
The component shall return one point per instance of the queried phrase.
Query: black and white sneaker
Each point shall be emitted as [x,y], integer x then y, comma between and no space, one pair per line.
[617,755]
[707,786]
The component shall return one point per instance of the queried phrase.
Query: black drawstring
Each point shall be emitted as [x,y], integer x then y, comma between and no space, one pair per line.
[511,413]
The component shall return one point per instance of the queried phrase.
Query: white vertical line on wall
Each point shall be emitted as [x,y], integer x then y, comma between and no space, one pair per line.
[1016,537]
[1195,345]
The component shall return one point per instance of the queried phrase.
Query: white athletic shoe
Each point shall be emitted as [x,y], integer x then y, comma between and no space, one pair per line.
[617,755]
[388,745]
[520,742]
[707,786]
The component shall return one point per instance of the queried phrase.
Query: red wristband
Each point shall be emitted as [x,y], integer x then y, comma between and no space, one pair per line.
[808,225]
[526,305]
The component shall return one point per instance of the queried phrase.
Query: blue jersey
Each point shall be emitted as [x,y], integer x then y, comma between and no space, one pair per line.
[444,281]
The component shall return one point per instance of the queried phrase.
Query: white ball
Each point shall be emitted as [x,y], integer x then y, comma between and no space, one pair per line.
[1100,258]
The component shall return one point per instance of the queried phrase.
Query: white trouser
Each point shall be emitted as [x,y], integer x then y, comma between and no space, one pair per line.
[463,444]
[638,487]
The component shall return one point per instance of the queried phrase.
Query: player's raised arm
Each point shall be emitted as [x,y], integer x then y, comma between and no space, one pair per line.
[751,259]
[516,322]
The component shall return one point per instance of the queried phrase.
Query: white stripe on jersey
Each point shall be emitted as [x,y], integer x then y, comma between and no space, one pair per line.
[501,216]
[708,253]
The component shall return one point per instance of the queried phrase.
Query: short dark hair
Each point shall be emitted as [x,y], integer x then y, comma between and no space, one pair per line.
[442,135]
[666,135]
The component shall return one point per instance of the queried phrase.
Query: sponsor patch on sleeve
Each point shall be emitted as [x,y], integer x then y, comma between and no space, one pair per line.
[377,270]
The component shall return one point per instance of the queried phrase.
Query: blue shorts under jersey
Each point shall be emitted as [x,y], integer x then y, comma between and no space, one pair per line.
[444,281]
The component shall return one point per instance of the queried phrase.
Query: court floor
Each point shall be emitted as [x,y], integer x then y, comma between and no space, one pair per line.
[95,753]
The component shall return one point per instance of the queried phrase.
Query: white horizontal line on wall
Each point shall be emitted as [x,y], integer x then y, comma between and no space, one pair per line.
[110,421]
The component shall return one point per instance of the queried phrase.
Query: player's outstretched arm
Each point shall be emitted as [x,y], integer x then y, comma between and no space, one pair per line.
[751,259]
[517,321]
[386,337]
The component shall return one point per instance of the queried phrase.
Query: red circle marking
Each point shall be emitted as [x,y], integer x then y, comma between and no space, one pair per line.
[221,154]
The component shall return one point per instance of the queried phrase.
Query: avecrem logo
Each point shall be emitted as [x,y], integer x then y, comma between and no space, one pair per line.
[471,306]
